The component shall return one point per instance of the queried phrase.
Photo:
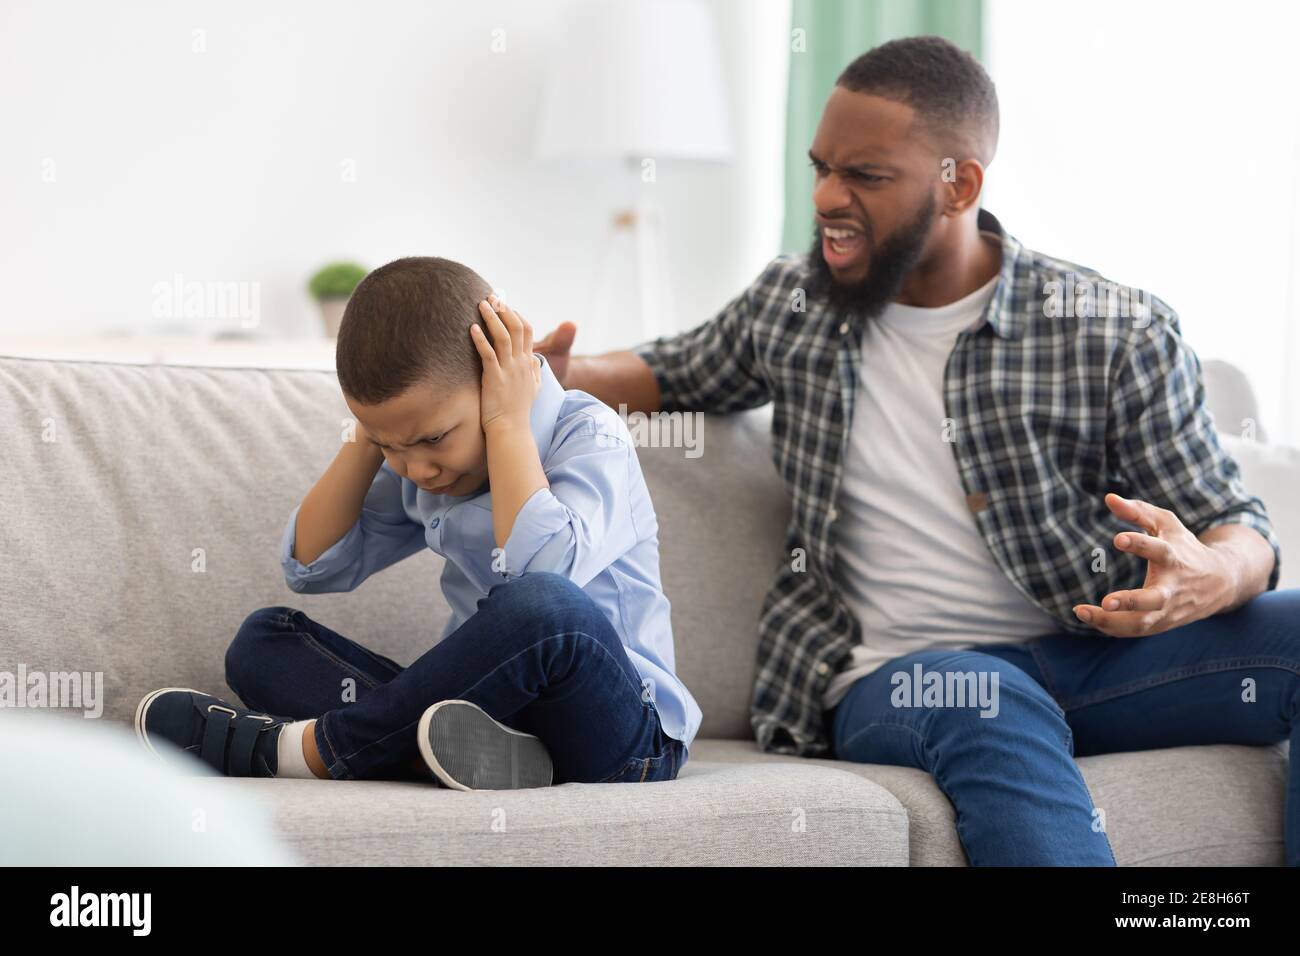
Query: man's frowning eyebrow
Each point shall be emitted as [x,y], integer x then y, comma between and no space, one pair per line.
[856,167]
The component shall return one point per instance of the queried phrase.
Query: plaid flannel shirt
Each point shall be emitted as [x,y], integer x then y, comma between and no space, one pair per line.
[1045,416]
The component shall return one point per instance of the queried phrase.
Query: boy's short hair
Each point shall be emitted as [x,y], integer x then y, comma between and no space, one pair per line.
[408,323]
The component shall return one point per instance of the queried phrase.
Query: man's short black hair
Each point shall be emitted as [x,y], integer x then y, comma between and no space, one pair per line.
[407,323]
[952,95]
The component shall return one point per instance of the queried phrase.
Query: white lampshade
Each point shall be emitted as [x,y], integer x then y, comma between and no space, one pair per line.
[633,79]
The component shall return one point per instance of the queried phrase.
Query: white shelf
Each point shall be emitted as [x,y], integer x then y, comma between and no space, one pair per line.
[291,353]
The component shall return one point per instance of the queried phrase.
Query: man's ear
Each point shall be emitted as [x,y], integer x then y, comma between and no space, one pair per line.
[963,182]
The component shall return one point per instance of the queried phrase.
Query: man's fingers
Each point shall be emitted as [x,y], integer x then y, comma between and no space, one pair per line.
[1117,623]
[1136,512]
[1145,546]
[1141,599]
[559,339]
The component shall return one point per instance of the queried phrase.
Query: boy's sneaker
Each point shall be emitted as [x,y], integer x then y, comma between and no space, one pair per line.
[236,741]
[468,750]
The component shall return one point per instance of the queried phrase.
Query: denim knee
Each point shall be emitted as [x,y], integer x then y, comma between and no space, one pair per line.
[553,604]
[249,640]
[1017,703]
[545,593]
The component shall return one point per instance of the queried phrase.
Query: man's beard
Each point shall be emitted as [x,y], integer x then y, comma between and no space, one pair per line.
[888,266]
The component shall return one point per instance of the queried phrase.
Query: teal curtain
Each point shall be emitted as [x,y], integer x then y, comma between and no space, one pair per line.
[835,32]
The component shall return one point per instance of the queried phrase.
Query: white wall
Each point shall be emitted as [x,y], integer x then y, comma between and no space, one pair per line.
[1159,143]
[227,165]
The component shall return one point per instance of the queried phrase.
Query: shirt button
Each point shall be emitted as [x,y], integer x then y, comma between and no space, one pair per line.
[833,514]
[823,668]
[434,522]
[844,328]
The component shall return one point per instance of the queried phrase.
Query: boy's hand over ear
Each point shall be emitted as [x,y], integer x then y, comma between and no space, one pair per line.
[512,375]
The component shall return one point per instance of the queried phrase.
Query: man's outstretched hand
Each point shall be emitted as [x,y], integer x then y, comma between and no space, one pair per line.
[1186,581]
[556,348]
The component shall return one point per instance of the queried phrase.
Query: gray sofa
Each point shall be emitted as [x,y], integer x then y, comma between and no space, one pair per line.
[143,507]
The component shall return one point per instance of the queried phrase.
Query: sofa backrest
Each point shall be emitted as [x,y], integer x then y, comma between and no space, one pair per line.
[143,507]
[722,521]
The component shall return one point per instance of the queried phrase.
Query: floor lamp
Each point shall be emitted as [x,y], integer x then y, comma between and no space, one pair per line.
[639,85]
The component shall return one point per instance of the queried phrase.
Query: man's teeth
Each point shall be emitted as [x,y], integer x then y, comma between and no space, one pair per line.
[841,240]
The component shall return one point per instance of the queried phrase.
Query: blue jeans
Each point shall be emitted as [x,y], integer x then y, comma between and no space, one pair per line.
[537,655]
[1019,797]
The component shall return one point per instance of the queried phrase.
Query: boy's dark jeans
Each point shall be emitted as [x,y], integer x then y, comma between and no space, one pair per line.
[538,655]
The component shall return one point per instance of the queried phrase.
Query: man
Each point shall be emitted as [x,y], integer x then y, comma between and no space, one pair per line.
[968,439]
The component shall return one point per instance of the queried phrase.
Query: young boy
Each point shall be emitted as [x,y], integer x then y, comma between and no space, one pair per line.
[557,663]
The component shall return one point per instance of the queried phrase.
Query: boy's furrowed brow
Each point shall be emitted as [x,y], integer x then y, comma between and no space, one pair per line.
[406,444]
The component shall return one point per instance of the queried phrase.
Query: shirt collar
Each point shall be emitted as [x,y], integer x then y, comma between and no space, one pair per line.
[1002,313]
[546,409]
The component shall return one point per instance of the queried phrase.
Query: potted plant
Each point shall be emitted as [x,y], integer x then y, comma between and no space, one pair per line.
[331,287]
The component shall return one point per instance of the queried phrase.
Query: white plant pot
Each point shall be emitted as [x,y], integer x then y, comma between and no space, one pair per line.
[331,313]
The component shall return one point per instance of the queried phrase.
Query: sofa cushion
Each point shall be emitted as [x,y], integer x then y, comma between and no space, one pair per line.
[713,814]
[1219,805]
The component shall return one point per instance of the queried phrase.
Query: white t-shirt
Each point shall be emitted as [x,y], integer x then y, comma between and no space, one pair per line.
[912,564]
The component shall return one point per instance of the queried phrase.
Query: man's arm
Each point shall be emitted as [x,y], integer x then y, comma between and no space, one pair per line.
[715,367]
[616,378]
[1166,444]
[1248,557]
[1209,546]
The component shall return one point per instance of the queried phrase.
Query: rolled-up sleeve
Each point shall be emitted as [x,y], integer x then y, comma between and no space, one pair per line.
[382,535]
[1166,443]
[716,366]
[583,522]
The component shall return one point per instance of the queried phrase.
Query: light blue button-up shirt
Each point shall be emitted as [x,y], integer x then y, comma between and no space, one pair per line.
[595,525]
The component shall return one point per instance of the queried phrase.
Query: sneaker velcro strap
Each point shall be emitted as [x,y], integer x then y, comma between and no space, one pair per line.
[247,727]
[216,725]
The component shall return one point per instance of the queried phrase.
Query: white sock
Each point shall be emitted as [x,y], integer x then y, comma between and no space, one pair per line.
[290,761]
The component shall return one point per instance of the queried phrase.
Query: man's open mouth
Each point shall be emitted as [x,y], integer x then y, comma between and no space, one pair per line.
[842,246]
